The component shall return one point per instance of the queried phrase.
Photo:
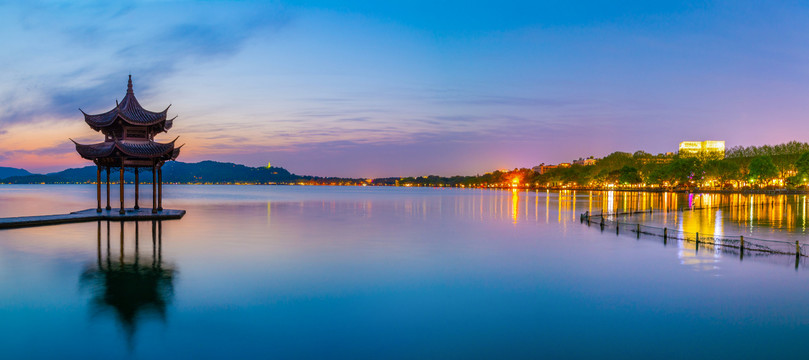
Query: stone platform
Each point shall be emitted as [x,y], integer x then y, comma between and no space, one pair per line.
[90,215]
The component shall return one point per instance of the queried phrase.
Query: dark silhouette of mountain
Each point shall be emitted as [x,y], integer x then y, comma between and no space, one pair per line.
[217,172]
[173,172]
[31,179]
[6,172]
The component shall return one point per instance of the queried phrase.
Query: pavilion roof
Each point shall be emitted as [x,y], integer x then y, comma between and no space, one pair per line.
[131,148]
[131,112]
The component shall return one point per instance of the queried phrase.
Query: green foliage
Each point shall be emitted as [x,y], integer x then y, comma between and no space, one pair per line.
[616,161]
[641,167]
[682,171]
[762,169]
[658,175]
[790,148]
[723,171]
[629,175]
[802,164]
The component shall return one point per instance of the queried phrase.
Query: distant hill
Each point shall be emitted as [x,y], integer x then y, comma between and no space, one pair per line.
[173,172]
[31,179]
[6,172]
[218,172]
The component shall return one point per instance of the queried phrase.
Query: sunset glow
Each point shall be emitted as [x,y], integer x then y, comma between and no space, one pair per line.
[375,89]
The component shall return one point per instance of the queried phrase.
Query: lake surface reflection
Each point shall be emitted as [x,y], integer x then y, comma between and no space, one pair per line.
[344,272]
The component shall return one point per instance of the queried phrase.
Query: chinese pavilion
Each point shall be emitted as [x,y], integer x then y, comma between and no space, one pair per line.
[129,132]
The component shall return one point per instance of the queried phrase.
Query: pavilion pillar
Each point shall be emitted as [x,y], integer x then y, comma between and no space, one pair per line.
[108,188]
[98,188]
[137,189]
[122,211]
[160,188]
[154,188]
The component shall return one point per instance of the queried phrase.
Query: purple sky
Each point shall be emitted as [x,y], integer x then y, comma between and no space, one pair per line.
[372,89]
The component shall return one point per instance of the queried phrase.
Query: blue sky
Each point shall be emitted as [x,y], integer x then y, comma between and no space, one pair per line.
[373,88]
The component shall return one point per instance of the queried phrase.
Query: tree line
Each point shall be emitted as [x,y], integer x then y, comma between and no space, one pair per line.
[782,165]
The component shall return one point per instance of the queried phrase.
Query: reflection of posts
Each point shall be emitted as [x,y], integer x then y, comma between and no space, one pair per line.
[126,287]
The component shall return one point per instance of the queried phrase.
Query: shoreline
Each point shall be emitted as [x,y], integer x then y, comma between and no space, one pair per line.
[782,191]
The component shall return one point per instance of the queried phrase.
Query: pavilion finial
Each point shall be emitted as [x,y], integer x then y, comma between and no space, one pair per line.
[129,85]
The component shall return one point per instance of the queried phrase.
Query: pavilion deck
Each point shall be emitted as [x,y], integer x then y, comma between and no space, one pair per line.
[90,215]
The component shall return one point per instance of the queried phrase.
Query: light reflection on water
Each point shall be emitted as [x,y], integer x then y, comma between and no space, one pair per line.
[310,272]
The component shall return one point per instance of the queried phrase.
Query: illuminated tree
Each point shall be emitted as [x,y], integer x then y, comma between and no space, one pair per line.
[762,169]
[629,175]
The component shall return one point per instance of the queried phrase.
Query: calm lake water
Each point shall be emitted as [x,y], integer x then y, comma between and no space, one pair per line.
[349,272]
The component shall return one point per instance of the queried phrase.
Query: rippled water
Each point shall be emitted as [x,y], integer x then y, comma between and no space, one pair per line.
[347,272]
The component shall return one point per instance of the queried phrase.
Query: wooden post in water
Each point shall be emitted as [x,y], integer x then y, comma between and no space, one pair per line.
[638,230]
[797,248]
[617,226]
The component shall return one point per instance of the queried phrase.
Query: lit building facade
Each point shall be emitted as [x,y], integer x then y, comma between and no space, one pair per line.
[709,149]
[585,162]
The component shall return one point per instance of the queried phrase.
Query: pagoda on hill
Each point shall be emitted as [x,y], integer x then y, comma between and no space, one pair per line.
[129,132]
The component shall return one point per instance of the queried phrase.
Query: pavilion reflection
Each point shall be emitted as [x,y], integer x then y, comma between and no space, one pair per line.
[132,287]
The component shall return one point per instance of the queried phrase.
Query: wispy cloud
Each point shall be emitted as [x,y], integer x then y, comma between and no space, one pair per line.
[61,149]
[80,54]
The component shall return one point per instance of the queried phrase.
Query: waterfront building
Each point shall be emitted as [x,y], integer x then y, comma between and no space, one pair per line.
[657,159]
[542,168]
[129,132]
[585,162]
[709,149]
